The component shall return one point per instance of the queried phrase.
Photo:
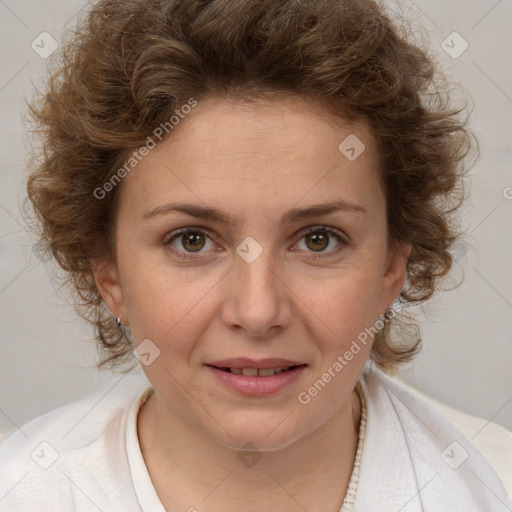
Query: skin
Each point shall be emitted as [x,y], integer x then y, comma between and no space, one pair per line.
[254,162]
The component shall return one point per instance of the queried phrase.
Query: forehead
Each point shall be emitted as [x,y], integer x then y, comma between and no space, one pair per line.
[268,128]
[248,154]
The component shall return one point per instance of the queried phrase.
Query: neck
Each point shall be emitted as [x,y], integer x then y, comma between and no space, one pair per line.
[188,466]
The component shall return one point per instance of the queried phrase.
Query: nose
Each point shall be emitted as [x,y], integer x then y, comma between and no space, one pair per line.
[256,297]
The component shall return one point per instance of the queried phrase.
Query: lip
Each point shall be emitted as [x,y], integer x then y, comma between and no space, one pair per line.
[246,362]
[253,385]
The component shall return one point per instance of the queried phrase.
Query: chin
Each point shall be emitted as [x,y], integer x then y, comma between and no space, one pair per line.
[270,434]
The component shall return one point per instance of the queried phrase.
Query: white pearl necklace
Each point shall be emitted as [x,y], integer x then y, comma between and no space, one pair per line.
[350,495]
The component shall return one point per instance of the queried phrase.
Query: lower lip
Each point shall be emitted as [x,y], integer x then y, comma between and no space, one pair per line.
[253,385]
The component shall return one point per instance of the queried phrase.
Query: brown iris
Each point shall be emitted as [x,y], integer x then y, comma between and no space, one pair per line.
[193,242]
[319,240]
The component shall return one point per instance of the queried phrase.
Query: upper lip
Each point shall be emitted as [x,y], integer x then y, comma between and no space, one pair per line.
[245,362]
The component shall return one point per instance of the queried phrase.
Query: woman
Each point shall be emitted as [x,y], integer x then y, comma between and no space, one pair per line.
[244,194]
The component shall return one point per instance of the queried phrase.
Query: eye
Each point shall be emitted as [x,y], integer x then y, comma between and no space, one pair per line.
[192,239]
[317,239]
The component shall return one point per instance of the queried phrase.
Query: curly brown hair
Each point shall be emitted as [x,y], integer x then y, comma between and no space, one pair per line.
[129,65]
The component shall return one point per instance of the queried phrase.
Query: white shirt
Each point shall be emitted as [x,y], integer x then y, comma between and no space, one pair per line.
[86,457]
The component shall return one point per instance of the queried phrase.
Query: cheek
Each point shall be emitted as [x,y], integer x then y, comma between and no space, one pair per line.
[345,301]
[159,298]
[163,305]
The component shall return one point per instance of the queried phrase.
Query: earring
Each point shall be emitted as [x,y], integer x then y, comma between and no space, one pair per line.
[118,321]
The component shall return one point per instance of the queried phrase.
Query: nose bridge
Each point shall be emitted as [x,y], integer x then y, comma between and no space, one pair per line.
[258,295]
[254,266]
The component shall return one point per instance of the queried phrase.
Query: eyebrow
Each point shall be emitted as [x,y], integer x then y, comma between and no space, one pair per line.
[213,214]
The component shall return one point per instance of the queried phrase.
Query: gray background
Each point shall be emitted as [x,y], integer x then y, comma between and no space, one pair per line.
[47,358]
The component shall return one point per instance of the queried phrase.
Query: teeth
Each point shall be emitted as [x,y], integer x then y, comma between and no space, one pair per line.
[262,372]
[265,372]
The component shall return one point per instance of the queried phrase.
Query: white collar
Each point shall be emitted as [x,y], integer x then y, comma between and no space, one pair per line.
[415,460]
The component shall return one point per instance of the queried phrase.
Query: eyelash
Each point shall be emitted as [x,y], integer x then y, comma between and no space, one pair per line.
[303,233]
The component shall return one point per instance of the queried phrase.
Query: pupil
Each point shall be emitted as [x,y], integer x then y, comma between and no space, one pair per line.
[193,239]
[320,241]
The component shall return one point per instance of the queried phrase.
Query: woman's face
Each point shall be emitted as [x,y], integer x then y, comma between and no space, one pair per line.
[272,278]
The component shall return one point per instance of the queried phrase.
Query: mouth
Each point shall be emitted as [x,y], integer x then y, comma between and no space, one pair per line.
[257,382]
[258,372]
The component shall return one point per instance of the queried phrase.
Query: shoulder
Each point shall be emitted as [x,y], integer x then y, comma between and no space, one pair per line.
[492,440]
[77,451]
[439,436]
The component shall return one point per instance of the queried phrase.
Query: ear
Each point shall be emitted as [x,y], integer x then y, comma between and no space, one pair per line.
[394,275]
[106,277]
